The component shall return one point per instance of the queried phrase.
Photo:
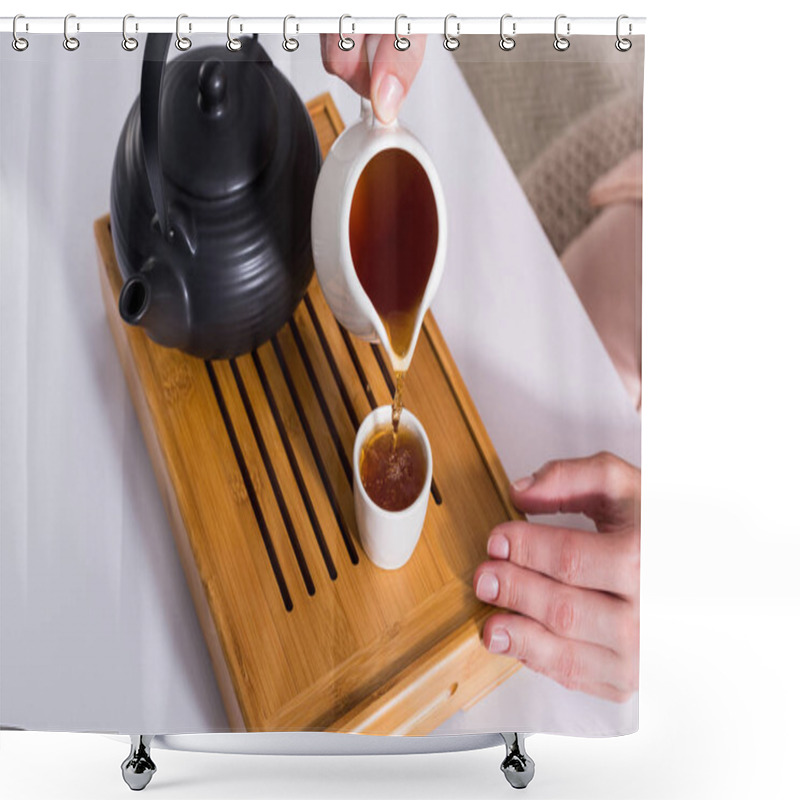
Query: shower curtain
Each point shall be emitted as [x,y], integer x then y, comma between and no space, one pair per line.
[159,581]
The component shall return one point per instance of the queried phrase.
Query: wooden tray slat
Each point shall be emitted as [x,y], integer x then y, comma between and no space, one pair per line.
[305,356]
[332,477]
[312,322]
[281,449]
[331,518]
[253,458]
[269,496]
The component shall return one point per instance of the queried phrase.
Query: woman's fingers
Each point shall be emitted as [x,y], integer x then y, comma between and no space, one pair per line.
[576,592]
[608,562]
[351,66]
[602,486]
[575,665]
[393,72]
[579,614]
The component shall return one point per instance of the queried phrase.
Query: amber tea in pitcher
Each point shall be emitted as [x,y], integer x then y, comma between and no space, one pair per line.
[394,235]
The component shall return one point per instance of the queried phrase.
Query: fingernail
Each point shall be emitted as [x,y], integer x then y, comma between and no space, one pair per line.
[500,641]
[523,484]
[388,98]
[498,546]
[488,587]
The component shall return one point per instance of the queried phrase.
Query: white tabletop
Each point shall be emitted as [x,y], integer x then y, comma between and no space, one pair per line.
[97,627]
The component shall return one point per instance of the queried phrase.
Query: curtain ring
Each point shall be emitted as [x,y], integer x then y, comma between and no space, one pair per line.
[182,42]
[18,43]
[451,42]
[233,44]
[70,42]
[345,42]
[507,42]
[561,43]
[401,43]
[623,45]
[289,44]
[128,42]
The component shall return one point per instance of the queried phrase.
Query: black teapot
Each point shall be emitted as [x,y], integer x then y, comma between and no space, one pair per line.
[211,197]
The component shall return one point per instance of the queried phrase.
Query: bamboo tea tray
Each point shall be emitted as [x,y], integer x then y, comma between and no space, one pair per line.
[253,458]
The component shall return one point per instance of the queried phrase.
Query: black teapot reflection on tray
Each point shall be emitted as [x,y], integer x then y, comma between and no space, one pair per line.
[211,197]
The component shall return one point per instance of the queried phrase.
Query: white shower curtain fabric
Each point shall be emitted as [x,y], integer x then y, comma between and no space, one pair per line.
[102,628]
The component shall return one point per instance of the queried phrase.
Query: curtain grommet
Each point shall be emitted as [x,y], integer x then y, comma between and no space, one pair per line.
[129,43]
[289,43]
[345,42]
[19,43]
[623,45]
[401,43]
[182,42]
[233,44]
[450,42]
[71,43]
[560,43]
[507,42]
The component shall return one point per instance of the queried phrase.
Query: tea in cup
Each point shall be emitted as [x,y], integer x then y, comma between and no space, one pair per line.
[392,475]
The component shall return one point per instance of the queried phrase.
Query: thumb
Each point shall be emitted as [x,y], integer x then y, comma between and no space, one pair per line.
[393,72]
[602,486]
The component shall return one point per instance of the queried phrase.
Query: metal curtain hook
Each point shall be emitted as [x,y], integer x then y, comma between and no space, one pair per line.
[70,42]
[18,43]
[561,43]
[289,44]
[507,42]
[623,45]
[233,44]
[345,42]
[128,42]
[182,42]
[401,42]
[451,42]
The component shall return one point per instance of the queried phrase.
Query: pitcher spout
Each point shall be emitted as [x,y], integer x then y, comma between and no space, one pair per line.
[386,333]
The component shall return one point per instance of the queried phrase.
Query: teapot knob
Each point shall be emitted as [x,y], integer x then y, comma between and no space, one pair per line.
[213,83]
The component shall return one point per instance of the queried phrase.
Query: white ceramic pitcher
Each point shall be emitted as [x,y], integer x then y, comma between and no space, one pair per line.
[330,226]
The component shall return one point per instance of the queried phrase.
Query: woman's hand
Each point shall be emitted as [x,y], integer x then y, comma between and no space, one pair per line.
[393,71]
[574,593]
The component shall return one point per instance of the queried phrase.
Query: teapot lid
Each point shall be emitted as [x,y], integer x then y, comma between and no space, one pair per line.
[217,120]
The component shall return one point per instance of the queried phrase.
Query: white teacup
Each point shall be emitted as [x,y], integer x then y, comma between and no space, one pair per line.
[389,537]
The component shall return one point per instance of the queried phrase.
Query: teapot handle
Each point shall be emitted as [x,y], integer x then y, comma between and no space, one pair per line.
[155,59]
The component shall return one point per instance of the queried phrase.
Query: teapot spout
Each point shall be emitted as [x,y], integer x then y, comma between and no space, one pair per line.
[154,298]
[134,299]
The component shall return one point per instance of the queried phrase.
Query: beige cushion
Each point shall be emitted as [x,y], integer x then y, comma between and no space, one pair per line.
[557,183]
[604,264]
